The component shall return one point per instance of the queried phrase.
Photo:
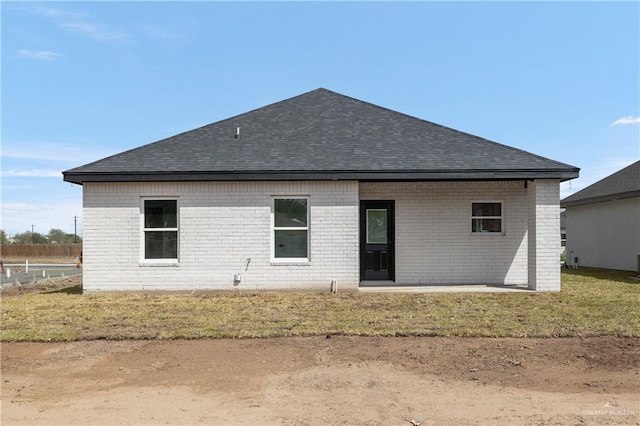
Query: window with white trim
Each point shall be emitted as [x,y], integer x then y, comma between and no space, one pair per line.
[291,228]
[486,217]
[160,229]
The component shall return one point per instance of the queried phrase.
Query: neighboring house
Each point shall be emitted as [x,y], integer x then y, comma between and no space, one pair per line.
[603,222]
[318,192]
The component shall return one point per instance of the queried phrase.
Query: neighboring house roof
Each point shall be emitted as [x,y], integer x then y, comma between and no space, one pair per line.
[321,135]
[622,184]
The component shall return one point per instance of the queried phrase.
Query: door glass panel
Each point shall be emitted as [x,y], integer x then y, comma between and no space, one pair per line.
[376,226]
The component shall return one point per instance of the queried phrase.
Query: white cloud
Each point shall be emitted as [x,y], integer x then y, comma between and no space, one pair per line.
[31,173]
[42,55]
[82,151]
[57,13]
[76,22]
[95,31]
[18,207]
[626,120]
[39,156]
[21,186]
[43,215]
[154,32]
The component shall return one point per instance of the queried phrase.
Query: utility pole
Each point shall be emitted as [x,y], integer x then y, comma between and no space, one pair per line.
[75,232]
[32,240]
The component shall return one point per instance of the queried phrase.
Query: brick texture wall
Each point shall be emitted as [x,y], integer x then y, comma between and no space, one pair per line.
[434,243]
[544,235]
[222,226]
[225,229]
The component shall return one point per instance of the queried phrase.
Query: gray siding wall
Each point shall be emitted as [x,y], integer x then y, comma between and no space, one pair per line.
[605,235]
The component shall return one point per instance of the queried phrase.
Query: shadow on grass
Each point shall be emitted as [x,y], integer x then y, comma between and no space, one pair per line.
[74,289]
[603,274]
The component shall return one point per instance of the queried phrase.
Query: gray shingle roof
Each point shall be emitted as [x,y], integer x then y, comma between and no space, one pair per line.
[624,183]
[321,135]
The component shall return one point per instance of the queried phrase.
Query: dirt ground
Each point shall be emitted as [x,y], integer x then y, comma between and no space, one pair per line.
[320,380]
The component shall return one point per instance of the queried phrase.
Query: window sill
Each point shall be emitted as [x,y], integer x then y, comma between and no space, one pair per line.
[285,262]
[488,234]
[156,264]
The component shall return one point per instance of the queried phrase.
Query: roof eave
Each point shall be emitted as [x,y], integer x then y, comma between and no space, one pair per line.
[601,199]
[422,175]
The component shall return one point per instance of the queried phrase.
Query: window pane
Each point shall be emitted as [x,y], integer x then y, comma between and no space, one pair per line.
[291,212]
[486,225]
[160,214]
[377,226]
[160,245]
[486,209]
[291,244]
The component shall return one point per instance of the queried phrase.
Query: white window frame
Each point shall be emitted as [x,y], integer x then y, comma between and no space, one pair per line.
[290,260]
[143,231]
[501,217]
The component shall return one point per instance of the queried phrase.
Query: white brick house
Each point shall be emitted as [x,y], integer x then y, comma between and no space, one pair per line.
[320,192]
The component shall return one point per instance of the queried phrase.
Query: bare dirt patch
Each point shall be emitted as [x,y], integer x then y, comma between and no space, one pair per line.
[68,284]
[337,380]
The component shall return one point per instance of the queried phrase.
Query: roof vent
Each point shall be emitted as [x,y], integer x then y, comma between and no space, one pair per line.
[237,136]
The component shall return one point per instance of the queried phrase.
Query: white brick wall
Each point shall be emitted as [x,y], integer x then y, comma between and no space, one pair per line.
[222,224]
[544,235]
[434,243]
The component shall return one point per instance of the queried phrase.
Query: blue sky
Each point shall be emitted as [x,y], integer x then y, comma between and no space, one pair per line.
[83,80]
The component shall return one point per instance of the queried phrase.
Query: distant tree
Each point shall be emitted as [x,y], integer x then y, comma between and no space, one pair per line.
[30,238]
[61,237]
[57,236]
[3,237]
[22,238]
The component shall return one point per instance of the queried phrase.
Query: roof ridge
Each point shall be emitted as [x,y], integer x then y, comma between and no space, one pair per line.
[266,106]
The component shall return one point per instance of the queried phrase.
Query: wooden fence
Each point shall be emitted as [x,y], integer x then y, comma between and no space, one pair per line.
[28,251]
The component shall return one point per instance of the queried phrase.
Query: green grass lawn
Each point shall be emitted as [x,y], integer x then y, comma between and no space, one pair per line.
[591,303]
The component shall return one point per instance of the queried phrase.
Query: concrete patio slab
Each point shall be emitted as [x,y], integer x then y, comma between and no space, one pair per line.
[444,288]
